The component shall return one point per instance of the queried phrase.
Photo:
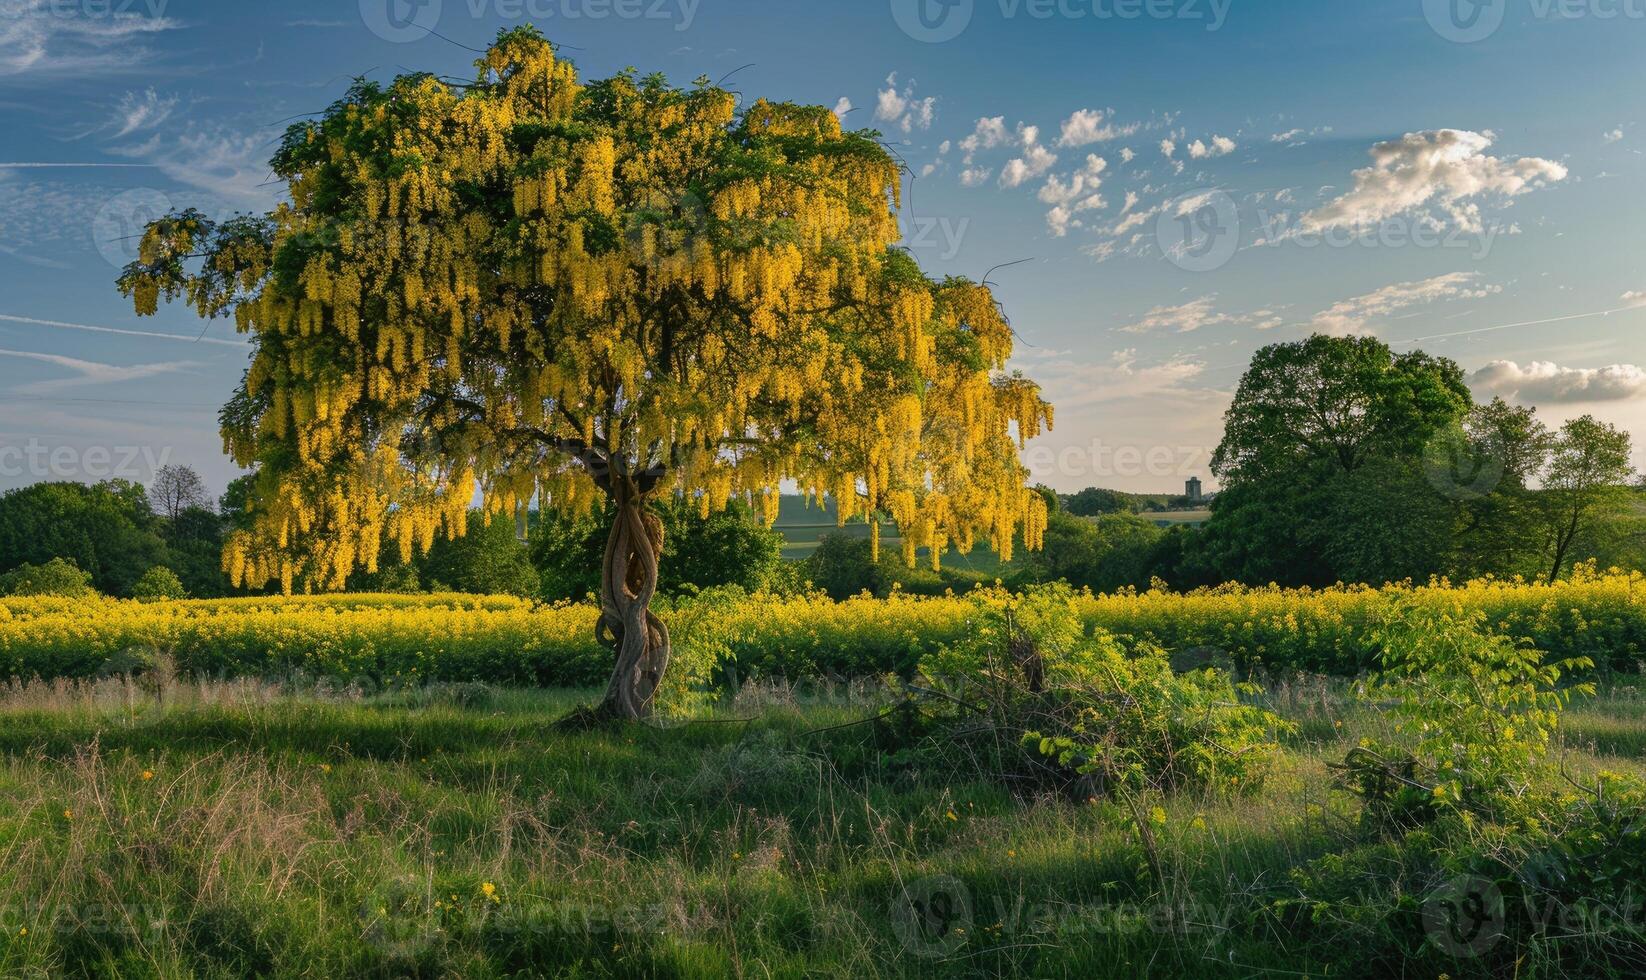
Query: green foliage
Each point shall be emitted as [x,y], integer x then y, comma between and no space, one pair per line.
[728,548]
[1093,501]
[1104,554]
[1117,721]
[194,548]
[844,565]
[1473,713]
[107,530]
[57,577]
[489,560]
[157,584]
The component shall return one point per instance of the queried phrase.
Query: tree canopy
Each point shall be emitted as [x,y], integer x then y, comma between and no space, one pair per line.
[558,290]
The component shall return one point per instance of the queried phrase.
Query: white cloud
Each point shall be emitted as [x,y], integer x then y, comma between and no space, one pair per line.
[1546,382]
[1127,155]
[1445,169]
[986,135]
[1073,194]
[1167,148]
[1634,297]
[1184,318]
[1220,146]
[1350,317]
[233,166]
[89,372]
[902,109]
[1195,315]
[1088,126]
[138,111]
[1614,136]
[842,107]
[975,176]
[47,37]
[1286,137]
[1036,159]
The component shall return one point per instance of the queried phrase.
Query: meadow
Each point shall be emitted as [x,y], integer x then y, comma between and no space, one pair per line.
[168,828]
[379,785]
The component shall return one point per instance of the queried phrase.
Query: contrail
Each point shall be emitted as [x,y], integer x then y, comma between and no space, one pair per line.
[1523,323]
[53,166]
[60,325]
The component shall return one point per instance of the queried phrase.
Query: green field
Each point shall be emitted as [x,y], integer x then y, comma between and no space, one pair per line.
[167,829]
[803,526]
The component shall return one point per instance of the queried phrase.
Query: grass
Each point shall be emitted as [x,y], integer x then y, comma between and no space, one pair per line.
[171,829]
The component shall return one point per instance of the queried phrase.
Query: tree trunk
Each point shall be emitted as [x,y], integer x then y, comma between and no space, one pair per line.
[627,625]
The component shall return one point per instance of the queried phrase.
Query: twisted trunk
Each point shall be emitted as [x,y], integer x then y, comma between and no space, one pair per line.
[627,625]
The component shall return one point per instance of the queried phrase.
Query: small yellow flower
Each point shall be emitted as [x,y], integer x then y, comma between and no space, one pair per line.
[325,767]
[951,815]
[489,890]
[1011,853]
[737,856]
[23,931]
[148,774]
[68,814]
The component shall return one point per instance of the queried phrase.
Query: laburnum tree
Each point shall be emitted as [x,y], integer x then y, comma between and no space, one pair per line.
[557,291]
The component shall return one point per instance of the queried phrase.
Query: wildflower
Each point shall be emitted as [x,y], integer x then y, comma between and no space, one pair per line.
[325,767]
[1011,853]
[951,815]
[148,774]
[68,814]
[489,890]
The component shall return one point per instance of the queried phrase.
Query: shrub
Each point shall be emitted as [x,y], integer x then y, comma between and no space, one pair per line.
[57,577]
[1112,720]
[158,583]
[1473,711]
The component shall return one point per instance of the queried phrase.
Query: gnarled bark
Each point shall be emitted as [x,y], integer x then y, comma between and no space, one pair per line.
[627,625]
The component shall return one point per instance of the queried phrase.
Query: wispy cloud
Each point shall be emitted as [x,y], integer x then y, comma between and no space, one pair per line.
[41,38]
[90,328]
[1352,316]
[89,372]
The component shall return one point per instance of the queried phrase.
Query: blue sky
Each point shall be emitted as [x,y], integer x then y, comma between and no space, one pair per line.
[1179,182]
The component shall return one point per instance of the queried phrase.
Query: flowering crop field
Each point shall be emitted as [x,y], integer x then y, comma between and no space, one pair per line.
[504,640]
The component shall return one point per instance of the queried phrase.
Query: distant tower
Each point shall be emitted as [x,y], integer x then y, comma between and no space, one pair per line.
[1192,490]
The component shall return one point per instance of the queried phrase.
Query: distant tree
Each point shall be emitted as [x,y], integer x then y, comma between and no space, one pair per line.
[194,545]
[157,584]
[844,565]
[1385,523]
[176,489]
[58,577]
[1104,554]
[1586,483]
[489,560]
[1093,501]
[1501,451]
[1307,419]
[585,292]
[106,530]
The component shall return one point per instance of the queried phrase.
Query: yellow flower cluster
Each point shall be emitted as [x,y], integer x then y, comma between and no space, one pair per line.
[505,640]
[469,280]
